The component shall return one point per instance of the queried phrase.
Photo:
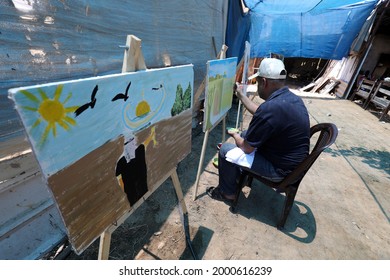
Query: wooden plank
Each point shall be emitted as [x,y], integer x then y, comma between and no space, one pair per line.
[329,86]
[380,101]
[342,85]
[320,84]
[340,89]
[384,91]
[308,87]
[362,93]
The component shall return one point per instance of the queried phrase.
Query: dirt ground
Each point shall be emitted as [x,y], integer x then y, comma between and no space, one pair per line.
[341,210]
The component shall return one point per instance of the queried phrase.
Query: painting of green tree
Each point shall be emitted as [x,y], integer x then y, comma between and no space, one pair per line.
[182,100]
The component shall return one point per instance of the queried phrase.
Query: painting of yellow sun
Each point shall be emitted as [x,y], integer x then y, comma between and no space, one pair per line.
[142,108]
[50,111]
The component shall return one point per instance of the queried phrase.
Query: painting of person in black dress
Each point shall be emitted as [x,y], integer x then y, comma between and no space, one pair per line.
[131,171]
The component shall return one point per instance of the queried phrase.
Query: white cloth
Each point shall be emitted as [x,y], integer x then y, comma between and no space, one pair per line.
[237,156]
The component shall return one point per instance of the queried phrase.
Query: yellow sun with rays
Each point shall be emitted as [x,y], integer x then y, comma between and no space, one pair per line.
[143,107]
[51,111]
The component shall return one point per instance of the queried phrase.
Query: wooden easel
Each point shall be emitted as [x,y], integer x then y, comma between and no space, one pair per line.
[221,55]
[134,61]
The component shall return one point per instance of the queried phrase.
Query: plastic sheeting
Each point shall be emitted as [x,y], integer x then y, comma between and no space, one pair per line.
[46,40]
[292,28]
[237,29]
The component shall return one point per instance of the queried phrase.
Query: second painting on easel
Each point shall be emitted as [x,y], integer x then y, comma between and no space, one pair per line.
[221,74]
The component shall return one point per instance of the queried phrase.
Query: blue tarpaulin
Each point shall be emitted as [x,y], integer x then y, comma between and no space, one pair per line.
[311,28]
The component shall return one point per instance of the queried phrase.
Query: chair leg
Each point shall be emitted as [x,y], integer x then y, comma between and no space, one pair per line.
[250,180]
[288,203]
[240,185]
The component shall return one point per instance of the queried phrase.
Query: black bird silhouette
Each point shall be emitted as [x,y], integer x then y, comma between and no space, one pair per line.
[91,104]
[157,88]
[121,95]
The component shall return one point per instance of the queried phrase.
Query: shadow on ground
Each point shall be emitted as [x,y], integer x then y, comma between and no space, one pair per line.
[374,158]
[265,205]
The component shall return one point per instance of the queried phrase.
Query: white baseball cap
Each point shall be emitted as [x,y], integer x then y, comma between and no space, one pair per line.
[270,68]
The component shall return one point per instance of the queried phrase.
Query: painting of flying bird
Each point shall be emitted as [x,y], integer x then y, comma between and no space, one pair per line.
[121,95]
[157,88]
[91,104]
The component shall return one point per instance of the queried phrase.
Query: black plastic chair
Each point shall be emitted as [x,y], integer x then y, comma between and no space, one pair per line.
[289,185]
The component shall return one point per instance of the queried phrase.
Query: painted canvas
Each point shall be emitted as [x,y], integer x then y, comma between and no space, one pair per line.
[221,74]
[103,143]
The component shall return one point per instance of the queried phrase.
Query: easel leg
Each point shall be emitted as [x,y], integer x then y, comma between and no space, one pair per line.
[206,136]
[183,207]
[223,130]
[244,110]
[104,247]
[238,113]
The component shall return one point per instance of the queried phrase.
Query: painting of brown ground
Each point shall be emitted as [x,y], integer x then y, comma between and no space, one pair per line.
[173,144]
[87,192]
